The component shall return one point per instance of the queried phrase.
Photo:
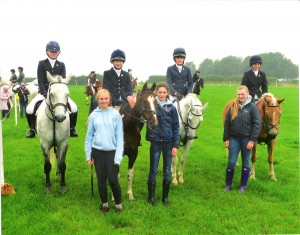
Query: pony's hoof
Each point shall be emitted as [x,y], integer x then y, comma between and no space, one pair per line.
[58,177]
[181,180]
[130,196]
[48,190]
[174,181]
[63,190]
[252,177]
[273,178]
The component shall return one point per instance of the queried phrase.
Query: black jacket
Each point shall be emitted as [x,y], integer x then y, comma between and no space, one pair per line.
[117,86]
[44,66]
[168,126]
[254,83]
[23,95]
[247,124]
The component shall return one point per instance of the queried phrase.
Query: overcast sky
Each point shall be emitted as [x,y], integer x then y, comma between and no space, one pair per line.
[146,30]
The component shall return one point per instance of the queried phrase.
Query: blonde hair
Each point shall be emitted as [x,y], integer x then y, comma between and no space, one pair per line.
[102,91]
[236,105]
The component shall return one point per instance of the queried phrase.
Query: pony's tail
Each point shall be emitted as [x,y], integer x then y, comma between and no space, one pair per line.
[52,156]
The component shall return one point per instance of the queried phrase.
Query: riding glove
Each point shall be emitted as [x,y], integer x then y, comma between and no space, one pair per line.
[178,96]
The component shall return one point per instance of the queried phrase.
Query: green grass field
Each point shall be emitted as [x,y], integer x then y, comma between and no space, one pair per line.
[199,206]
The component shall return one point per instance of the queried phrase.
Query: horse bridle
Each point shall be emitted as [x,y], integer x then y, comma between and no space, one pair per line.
[186,124]
[52,106]
[141,110]
[267,125]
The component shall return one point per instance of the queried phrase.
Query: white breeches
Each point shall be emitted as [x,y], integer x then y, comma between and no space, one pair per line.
[39,97]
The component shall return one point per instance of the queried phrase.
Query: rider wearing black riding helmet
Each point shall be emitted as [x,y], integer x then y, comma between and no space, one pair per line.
[54,67]
[255,79]
[179,77]
[117,81]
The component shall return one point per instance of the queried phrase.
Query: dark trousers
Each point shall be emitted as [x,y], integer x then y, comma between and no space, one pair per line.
[156,149]
[23,106]
[6,113]
[106,170]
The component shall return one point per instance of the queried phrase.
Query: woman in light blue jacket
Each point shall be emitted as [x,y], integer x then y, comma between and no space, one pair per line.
[104,148]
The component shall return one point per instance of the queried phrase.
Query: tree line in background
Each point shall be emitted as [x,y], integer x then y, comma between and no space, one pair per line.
[228,69]
[232,68]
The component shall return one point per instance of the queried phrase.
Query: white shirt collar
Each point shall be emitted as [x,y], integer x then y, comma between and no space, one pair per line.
[52,61]
[118,71]
[179,67]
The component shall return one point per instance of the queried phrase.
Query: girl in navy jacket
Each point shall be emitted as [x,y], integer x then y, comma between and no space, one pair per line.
[165,139]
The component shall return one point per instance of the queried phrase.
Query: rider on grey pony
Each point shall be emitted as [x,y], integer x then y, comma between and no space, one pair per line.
[179,77]
[54,67]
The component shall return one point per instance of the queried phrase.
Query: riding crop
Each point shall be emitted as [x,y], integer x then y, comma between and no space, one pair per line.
[92,180]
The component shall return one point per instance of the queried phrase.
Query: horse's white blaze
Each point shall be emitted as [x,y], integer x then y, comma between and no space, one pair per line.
[152,107]
[151,102]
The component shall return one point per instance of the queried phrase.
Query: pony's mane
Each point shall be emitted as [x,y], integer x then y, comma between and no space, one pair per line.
[274,101]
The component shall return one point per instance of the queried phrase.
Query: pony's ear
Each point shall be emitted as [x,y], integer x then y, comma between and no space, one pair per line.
[280,101]
[153,87]
[49,76]
[205,106]
[145,86]
[67,79]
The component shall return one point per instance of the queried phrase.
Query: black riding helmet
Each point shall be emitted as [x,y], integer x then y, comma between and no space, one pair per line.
[179,52]
[117,55]
[255,59]
[53,46]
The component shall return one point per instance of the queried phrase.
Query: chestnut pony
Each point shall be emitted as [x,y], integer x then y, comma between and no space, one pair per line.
[270,112]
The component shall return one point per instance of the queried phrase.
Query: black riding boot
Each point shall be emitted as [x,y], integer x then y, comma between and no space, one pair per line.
[31,119]
[244,179]
[166,188]
[73,120]
[151,193]
[229,178]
